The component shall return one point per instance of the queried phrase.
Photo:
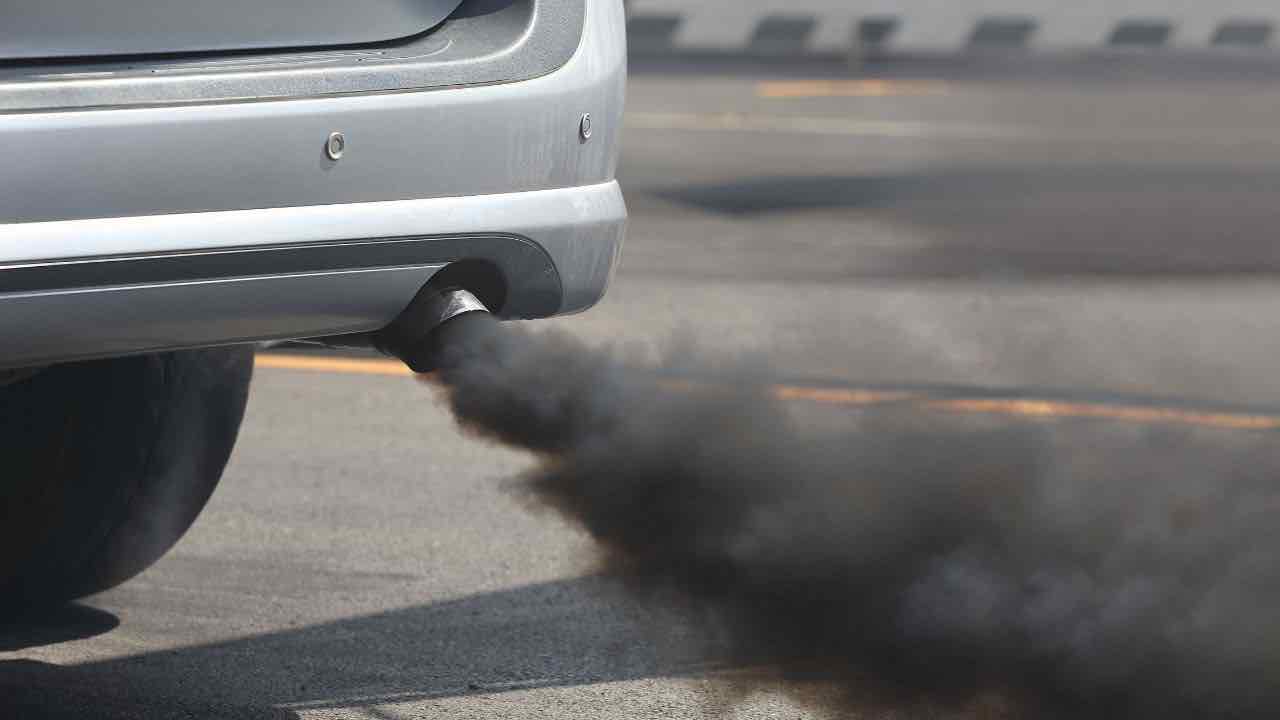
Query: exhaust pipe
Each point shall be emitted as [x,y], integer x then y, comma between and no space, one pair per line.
[419,333]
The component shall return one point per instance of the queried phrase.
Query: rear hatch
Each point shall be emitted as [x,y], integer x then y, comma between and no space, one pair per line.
[85,28]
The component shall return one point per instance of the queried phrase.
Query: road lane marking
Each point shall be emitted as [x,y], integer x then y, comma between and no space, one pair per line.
[838,126]
[839,396]
[821,125]
[791,89]
[821,395]
[388,367]
[348,366]
[1136,414]
[1033,408]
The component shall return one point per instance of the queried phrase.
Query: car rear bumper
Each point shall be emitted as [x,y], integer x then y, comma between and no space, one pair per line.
[149,228]
[310,271]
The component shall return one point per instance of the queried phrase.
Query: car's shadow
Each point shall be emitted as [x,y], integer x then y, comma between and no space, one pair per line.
[75,621]
[564,633]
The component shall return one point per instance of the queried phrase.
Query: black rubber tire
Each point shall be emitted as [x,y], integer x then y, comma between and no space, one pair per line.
[105,465]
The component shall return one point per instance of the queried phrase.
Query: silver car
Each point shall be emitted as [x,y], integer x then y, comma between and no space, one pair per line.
[181,180]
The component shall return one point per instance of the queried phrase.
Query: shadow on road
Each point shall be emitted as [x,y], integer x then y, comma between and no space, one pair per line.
[984,222]
[59,624]
[566,633]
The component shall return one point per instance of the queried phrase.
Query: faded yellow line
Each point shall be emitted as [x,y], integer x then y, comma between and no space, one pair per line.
[826,396]
[1051,409]
[834,125]
[1031,408]
[838,396]
[848,88]
[350,366]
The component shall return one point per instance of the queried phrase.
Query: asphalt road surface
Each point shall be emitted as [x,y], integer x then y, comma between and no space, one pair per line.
[1066,247]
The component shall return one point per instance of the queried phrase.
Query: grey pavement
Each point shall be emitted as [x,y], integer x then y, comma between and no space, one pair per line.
[365,559]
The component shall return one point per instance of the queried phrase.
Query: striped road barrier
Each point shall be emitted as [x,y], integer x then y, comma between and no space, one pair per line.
[773,28]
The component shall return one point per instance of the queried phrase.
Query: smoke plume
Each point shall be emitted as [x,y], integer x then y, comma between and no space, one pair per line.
[915,566]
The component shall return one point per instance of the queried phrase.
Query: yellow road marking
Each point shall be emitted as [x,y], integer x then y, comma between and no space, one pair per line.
[839,396]
[349,366]
[825,125]
[825,396]
[847,88]
[1016,407]
[1126,413]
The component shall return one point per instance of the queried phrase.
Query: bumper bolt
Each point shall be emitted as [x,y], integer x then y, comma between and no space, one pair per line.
[335,145]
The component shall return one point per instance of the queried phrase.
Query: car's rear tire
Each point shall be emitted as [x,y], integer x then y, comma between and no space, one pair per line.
[105,464]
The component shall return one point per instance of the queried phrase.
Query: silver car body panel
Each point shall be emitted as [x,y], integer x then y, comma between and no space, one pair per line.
[462,141]
[483,42]
[100,322]
[580,229]
[130,184]
[62,28]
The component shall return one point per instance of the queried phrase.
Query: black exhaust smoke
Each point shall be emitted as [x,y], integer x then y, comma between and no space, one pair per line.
[913,567]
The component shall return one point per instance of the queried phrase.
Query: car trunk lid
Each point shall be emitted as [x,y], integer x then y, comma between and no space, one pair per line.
[86,28]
